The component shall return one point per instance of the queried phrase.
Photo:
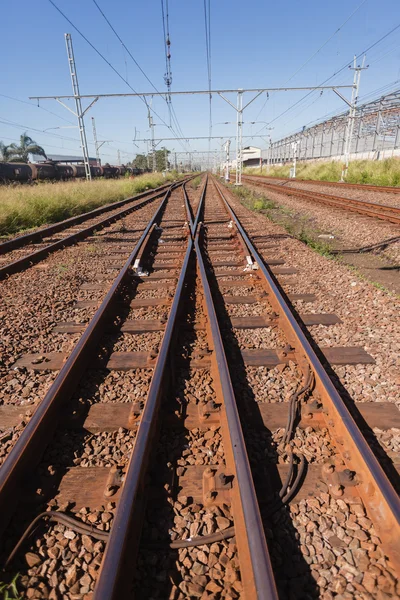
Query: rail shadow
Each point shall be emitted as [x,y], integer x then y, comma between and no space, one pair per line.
[292,573]
[380,453]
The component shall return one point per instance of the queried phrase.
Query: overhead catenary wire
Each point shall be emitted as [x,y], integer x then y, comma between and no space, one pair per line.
[168,100]
[383,37]
[207,27]
[142,98]
[319,49]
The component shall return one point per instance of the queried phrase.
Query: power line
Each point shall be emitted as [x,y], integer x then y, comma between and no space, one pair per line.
[124,46]
[334,75]
[36,106]
[207,27]
[143,99]
[319,49]
[169,101]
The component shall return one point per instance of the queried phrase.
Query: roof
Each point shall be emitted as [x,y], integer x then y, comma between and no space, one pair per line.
[60,158]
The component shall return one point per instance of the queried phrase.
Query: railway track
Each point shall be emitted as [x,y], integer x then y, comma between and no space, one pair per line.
[355,186]
[23,251]
[161,463]
[369,209]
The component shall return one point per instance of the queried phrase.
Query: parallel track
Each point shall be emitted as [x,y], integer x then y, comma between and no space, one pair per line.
[215,234]
[356,186]
[369,209]
[9,249]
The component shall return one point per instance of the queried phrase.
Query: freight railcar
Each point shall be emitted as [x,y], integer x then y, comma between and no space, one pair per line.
[55,171]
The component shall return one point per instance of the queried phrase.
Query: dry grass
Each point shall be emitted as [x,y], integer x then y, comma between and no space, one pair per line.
[24,207]
[377,172]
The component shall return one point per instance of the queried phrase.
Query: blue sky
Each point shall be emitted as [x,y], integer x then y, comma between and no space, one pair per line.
[257,45]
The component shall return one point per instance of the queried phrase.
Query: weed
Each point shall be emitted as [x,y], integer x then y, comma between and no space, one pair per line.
[321,247]
[9,591]
[24,206]
[377,172]
[195,182]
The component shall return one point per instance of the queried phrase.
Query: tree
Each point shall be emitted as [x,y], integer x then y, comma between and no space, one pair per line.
[26,146]
[4,152]
[140,161]
[161,163]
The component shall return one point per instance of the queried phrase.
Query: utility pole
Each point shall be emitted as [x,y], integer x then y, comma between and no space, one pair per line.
[294,148]
[153,147]
[269,160]
[352,112]
[227,148]
[119,157]
[166,159]
[239,139]
[176,164]
[96,145]
[78,104]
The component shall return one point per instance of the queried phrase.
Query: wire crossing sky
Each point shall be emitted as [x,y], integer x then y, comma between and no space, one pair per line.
[216,44]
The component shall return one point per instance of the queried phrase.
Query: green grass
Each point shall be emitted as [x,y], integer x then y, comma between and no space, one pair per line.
[195,182]
[296,227]
[9,591]
[24,207]
[376,172]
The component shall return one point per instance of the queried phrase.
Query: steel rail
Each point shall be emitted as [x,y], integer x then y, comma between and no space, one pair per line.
[370,209]
[34,236]
[250,540]
[34,438]
[116,564]
[344,184]
[373,485]
[27,261]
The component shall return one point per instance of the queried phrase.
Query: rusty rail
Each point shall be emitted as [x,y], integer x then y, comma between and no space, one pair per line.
[34,257]
[117,562]
[258,580]
[373,485]
[124,538]
[359,186]
[35,236]
[33,440]
[370,209]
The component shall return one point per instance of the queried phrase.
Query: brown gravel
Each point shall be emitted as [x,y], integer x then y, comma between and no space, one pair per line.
[332,553]
[349,229]
[369,315]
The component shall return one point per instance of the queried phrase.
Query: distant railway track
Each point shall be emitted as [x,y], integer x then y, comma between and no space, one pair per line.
[359,186]
[192,494]
[370,209]
[37,247]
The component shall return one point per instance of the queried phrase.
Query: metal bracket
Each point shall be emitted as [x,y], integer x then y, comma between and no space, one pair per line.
[135,414]
[209,412]
[217,485]
[114,481]
[338,480]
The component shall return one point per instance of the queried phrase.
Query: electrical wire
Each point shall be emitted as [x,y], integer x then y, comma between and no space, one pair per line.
[36,106]
[318,51]
[207,27]
[142,98]
[167,100]
[332,76]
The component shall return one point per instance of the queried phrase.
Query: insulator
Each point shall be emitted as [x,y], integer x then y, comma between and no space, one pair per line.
[168,55]
[168,41]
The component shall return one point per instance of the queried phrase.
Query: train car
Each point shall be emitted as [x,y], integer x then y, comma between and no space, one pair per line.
[96,171]
[79,171]
[15,172]
[110,172]
[43,171]
[64,172]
